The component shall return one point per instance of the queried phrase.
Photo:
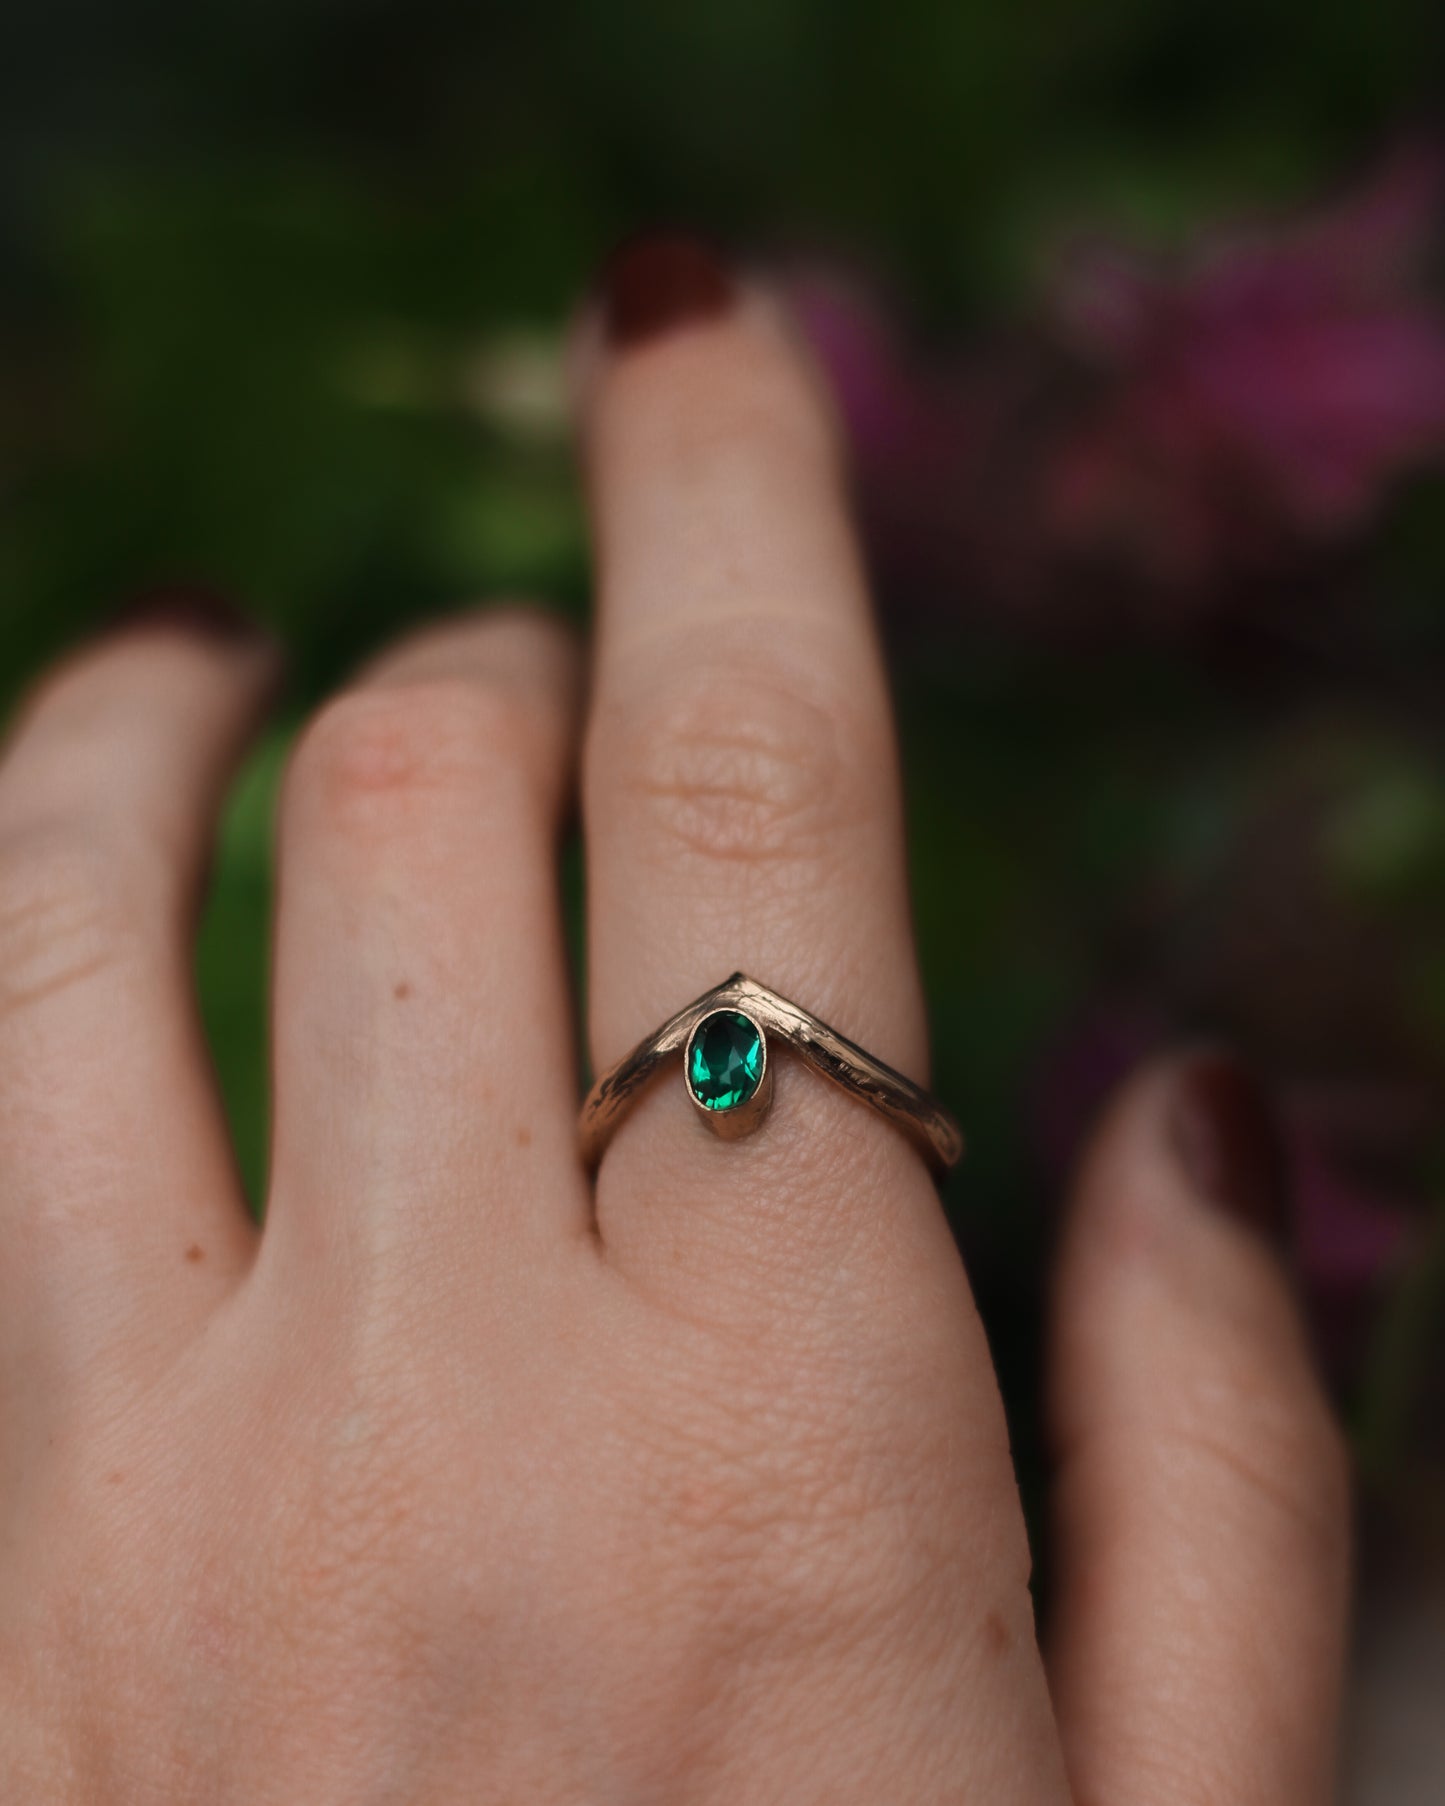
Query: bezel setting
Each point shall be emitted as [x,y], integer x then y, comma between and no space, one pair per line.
[732,1121]
[932,1129]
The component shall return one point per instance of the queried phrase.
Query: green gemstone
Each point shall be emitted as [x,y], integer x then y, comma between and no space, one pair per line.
[725,1060]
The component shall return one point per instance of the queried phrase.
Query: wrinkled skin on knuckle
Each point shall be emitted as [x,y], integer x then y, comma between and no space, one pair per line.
[748,767]
[69,911]
[401,764]
[1244,1403]
[1269,1458]
[1283,1459]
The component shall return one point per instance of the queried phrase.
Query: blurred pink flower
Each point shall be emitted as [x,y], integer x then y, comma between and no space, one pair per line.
[918,434]
[1277,379]
[1080,1070]
[1170,425]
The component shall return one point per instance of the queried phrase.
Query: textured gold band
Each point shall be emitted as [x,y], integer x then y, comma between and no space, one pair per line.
[925,1122]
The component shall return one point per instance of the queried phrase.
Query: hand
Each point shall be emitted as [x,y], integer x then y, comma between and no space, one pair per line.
[470,1481]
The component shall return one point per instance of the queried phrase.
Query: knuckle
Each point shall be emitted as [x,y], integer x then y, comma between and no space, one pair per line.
[385,759]
[1279,1447]
[741,765]
[65,913]
[793,1509]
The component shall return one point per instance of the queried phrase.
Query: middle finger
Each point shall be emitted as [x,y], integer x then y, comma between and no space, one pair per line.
[741,790]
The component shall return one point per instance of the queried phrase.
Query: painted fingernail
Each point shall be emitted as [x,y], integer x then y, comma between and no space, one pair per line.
[660,284]
[186,608]
[1226,1134]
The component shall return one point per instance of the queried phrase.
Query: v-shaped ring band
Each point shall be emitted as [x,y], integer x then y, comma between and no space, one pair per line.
[723,1038]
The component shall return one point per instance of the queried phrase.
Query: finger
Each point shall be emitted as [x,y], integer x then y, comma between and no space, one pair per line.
[742,737]
[742,810]
[425,1077]
[1202,1493]
[119,1199]
[741,792]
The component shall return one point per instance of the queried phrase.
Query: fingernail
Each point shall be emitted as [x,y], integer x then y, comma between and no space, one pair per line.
[661,283]
[186,608]
[1226,1134]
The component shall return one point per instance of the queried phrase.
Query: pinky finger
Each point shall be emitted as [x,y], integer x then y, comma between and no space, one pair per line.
[1202,1500]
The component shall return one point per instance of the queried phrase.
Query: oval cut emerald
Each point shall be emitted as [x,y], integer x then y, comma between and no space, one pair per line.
[724,1060]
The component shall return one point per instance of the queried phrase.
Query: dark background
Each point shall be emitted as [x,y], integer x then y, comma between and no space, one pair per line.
[1135,313]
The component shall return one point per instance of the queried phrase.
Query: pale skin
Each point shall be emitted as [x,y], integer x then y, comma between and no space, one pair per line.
[472,1479]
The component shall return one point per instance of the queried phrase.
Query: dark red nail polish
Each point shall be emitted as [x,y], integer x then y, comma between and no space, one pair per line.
[660,283]
[187,608]
[1227,1135]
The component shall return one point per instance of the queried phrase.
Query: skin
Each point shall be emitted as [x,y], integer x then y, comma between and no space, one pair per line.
[470,1480]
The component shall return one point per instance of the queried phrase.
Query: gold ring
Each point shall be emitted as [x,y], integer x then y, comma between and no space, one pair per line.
[723,1038]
